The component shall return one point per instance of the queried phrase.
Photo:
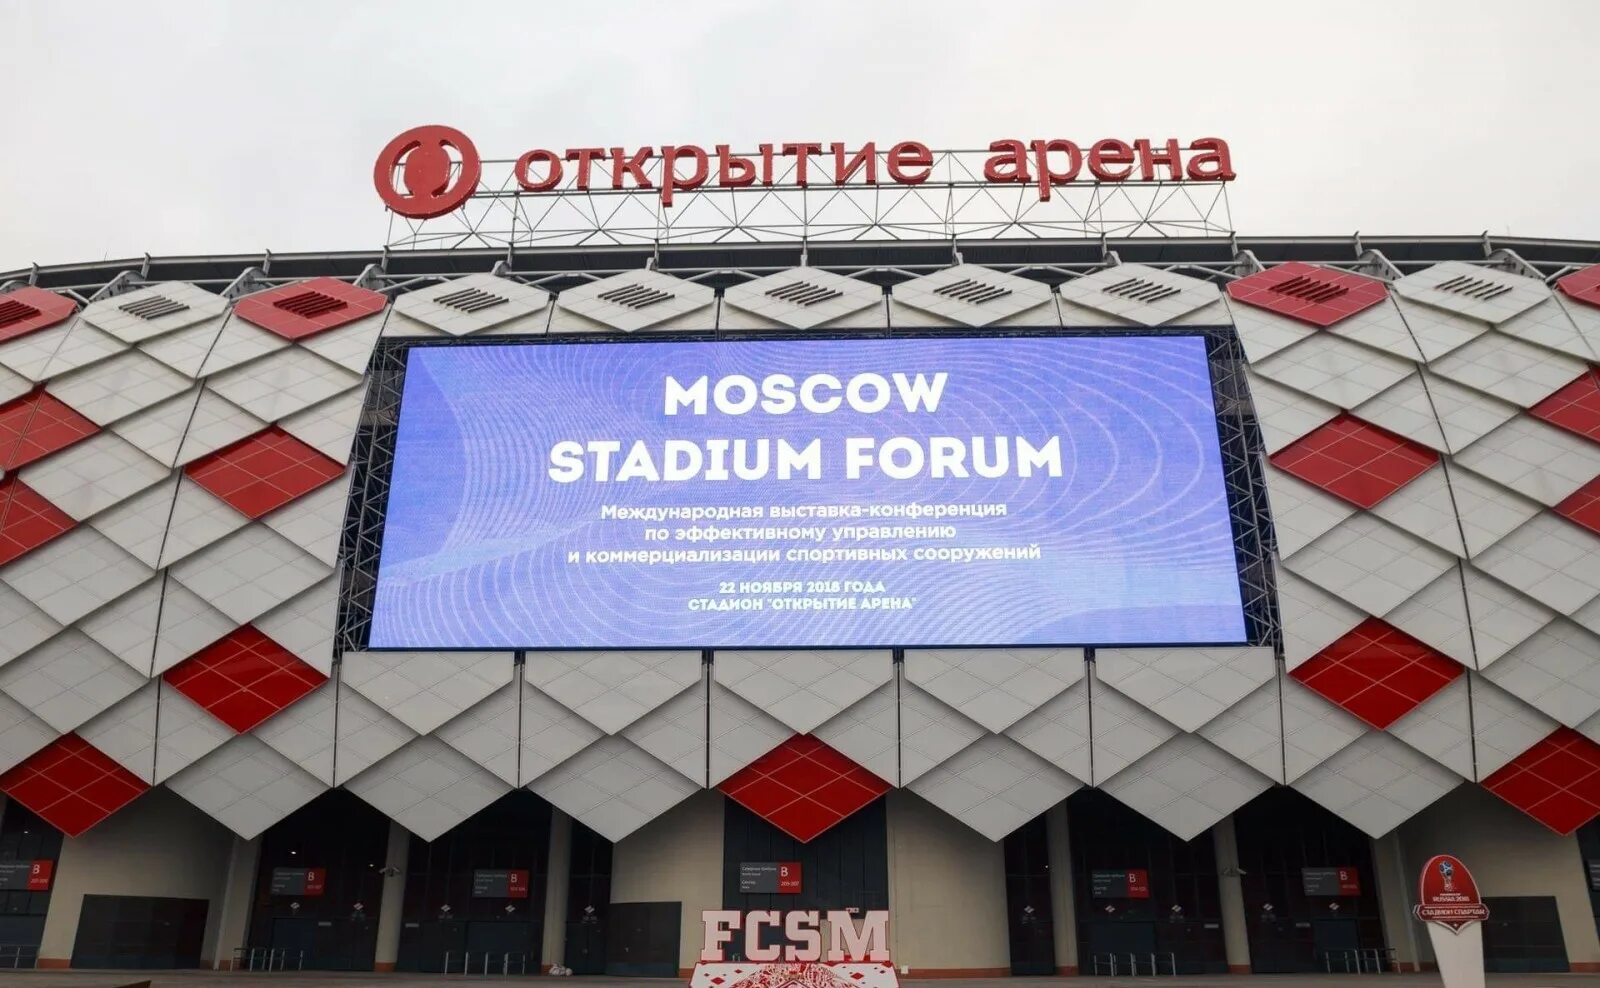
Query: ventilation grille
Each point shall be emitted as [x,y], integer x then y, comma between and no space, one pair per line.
[13,312]
[471,300]
[635,296]
[972,291]
[1310,289]
[1140,290]
[153,307]
[804,293]
[310,304]
[1478,288]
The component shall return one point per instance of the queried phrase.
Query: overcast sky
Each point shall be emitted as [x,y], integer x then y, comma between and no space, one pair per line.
[211,127]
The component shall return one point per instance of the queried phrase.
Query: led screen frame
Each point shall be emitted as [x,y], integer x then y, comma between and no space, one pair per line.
[1239,443]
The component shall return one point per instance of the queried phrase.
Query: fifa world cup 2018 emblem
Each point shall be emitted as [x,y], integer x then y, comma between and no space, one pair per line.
[1447,871]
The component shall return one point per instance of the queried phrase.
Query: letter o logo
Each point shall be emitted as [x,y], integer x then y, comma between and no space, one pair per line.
[422,157]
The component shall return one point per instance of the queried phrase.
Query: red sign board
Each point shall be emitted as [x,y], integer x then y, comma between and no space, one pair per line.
[316,881]
[39,876]
[1138,884]
[788,878]
[1447,895]
[517,883]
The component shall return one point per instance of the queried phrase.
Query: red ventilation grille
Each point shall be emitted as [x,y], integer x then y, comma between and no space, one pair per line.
[244,678]
[307,308]
[1575,408]
[1557,781]
[310,305]
[803,787]
[27,520]
[1377,672]
[1355,460]
[27,310]
[36,425]
[13,312]
[264,472]
[1319,296]
[71,784]
[1582,285]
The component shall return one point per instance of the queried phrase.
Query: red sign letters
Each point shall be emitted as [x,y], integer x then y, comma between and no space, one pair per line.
[413,172]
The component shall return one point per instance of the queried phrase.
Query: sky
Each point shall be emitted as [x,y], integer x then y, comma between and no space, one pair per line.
[224,126]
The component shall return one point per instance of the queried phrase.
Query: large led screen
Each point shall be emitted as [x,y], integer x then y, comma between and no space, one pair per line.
[827,492]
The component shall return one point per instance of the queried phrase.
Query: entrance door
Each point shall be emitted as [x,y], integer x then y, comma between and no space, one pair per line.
[642,941]
[588,900]
[1130,943]
[1029,916]
[508,945]
[1523,934]
[1332,941]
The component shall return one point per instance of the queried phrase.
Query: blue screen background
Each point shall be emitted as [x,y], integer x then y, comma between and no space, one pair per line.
[1134,537]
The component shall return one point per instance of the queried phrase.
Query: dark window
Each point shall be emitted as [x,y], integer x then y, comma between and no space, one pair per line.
[1280,834]
[337,930]
[1028,913]
[1523,934]
[642,939]
[442,916]
[1181,921]
[125,931]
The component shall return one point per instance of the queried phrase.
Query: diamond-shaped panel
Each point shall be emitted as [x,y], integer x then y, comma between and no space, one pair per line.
[613,787]
[1187,785]
[1355,460]
[425,689]
[154,310]
[969,295]
[244,678]
[263,472]
[246,785]
[462,306]
[994,686]
[1575,407]
[68,680]
[1508,368]
[551,734]
[1311,294]
[303,732]
[428,787]
[306,308]
[803,787]
[71,784]
[27,309]
[803,689]
[1336,370]
[36,425]
[74,574]
[1583,506]
[1370,563]
[1556,670]
[1550,559]
[1145,295]
[995,786]
[802,298]
[93,475]
[1557,781]
[1185,686]
[1377,672]
[27,521]
[1377,783]
[21,733]
[868,733]
[487,732]
[1582,285]
[114,389]
[249,573]
[286,382]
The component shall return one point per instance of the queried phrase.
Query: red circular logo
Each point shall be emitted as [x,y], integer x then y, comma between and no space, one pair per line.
[421,155]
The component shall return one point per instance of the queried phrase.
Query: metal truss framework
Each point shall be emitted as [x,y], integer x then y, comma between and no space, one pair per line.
[955,202]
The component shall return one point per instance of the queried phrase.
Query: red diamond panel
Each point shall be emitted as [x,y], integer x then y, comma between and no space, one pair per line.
[264,472]
[71,784]
[1355,460]
[244,678]
[28,310]
[1582,285]
[803,787]
[1575,407]
[1377,672]
[27,520]
[36,425]
[1319,296]
[1583,506]
[1557,781]
[307,308]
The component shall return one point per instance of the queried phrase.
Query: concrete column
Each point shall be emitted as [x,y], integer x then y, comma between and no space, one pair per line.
[1063,904]
[1235,928]
[238,895]
[947,894]
[677,857]
[391,908]
[1394,903]
[559,871]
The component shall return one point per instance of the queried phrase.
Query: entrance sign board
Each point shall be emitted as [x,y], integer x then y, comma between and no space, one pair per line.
[500,883]
[1449,902]
[26,876]
[1330,881]
[769,877]
[1130,883]
[298,881]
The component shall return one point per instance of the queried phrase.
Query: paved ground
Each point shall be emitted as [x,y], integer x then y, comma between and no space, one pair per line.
[218,979]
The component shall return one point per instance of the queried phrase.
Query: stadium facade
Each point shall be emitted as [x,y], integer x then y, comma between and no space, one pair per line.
[204,764]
